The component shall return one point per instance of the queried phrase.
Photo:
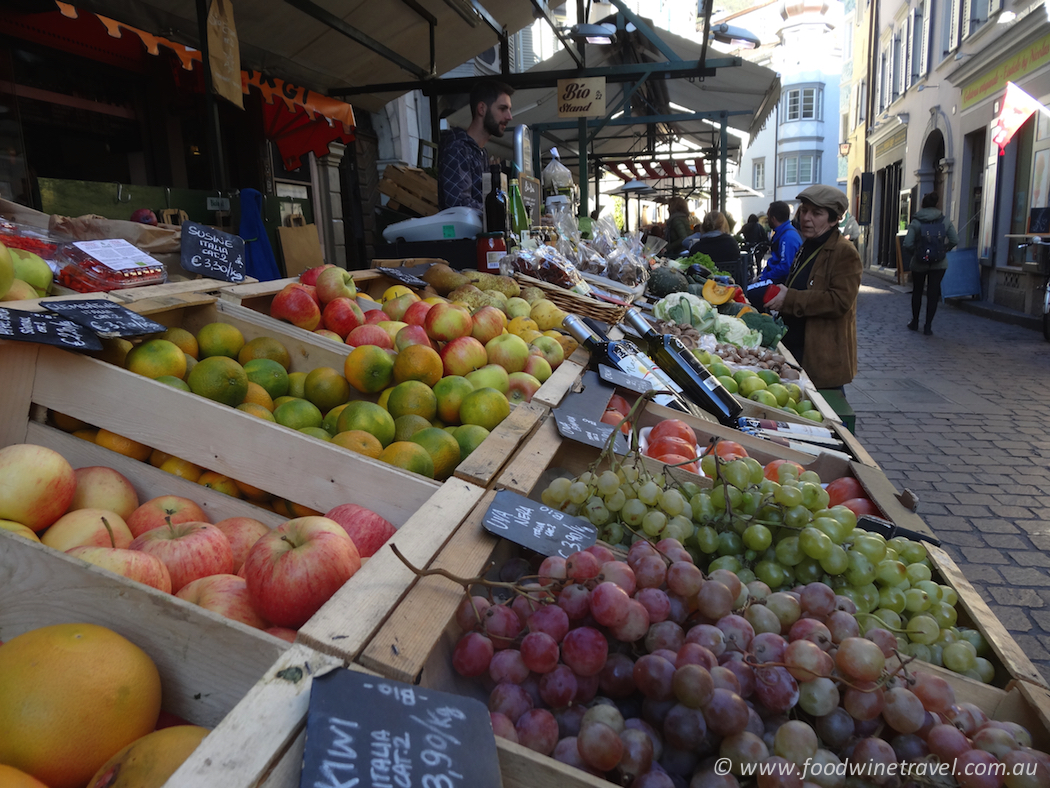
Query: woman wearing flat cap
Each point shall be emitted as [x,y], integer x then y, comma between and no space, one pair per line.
[818,302]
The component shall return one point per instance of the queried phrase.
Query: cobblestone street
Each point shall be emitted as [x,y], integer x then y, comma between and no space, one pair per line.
[962,419]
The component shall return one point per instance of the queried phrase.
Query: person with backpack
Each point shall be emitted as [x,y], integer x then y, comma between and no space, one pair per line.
[930,237]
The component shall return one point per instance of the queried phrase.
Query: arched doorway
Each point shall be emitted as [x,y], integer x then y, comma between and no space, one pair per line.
[931,172]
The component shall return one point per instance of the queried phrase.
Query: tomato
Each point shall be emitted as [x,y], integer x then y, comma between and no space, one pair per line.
[772,469]
[618,403]
[843,489]
[674,459]
[614,417]
[861,506]
[730,450]
[674,428]
[670,445]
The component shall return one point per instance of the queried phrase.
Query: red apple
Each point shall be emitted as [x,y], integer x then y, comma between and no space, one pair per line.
[155,512]
[509,351]
[21,530]
[309,276]
[416,314]
[293,570]
[99,487]
[189,550]
[242,532]
[537,366]
[373,316]
[521,387]
[333,283]
[86,527]
[226,595]
[284,633]
[550,349]
[412,335]
[143,216]
[312,292]
[396,307]
[36,485]
[489,323]
[324,332]
[132,564]
[368,530]
[391,327]
[342,316]
[369,335]
[298,305]
[463,355]
[445,322]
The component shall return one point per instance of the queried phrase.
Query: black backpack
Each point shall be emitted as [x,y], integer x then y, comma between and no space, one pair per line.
[932,242]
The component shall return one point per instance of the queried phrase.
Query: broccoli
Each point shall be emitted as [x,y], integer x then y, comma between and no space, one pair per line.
[772,329]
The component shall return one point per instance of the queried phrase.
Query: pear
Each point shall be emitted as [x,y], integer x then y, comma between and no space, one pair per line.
[31,268]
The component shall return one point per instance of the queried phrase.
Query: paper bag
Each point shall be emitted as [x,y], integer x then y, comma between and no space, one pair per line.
[300,248]
[224,52]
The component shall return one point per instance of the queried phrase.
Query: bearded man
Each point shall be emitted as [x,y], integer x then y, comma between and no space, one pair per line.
[462,160]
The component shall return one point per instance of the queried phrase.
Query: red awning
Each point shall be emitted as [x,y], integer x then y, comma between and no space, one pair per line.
[631,170]
[296,135]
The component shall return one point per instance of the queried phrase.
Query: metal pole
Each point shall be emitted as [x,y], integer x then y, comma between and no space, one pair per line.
[581,16]
[723,159]
[211,108]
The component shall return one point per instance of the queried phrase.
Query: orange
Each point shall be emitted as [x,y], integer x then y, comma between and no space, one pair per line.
[281,400]
[257,410]
[72,695]
[10,777]
[331,419]
[450,392]
[182,469]
[220,339]
[220,379]
[485,407]
[121,445]
[298,413]
[326,388]
[384,398]
[252,493]
[442,448]
[359,441]
[89,435]
[148,762]
[317,432]
[293,509]
[407,426]
[158,458]
[185,341]
[412,396]
[214,480]
[114,351]
[469,437]
[265,347]
[257,395]
[156,357]
[269,374]
[410,456]
[67,423]
[174,382]
[297,384]
[418,362]
[369,368]
[367,416]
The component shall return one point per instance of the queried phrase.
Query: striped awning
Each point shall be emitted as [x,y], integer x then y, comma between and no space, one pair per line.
[631,169]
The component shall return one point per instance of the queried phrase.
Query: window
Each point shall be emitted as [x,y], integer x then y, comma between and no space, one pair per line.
[796,170]
[803,104]
[758,174]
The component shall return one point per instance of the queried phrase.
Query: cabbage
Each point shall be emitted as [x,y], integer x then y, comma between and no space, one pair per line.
[735,331]
[684,309]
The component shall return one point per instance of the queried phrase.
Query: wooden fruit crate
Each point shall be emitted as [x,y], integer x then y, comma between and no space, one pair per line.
[259,295]
[411,188]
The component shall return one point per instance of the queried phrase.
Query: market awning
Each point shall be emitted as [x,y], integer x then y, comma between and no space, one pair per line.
[311,46]
[656,170]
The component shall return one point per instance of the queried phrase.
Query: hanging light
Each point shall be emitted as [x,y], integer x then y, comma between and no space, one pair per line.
[602,35]
[735,36]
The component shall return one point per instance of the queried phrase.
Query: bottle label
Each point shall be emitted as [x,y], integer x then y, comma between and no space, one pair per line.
[641,367]
[783,426]
[492,260]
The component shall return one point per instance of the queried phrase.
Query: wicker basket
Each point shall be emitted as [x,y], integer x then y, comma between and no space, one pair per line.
[575,303]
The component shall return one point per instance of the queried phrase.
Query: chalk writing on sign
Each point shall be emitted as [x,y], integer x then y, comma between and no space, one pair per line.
[536,526]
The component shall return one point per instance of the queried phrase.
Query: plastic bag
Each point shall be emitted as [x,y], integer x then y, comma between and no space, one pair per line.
[556,175]
[548,264]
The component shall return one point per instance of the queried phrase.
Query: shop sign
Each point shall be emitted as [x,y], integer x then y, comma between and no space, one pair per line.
[581,98]
[867,197]
[530,195]
[994,80]
[899,138]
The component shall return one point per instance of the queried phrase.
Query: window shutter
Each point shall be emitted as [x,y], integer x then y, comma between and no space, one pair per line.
[914,29]
[927,31]
[953,26]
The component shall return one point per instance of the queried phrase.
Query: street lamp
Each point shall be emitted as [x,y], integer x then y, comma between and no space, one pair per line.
[594,34]
[735,36]
[844,148]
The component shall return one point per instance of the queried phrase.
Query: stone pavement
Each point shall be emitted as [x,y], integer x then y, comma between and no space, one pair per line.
[962,419]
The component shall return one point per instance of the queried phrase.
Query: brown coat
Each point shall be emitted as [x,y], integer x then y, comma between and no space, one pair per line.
[829,306]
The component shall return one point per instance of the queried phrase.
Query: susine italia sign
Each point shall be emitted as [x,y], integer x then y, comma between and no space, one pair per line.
[581,98]
[993,81]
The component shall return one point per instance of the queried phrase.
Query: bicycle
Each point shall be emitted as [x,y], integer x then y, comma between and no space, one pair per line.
[1040,241]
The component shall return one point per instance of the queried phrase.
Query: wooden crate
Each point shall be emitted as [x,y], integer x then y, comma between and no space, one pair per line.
[411,188]
[259,295]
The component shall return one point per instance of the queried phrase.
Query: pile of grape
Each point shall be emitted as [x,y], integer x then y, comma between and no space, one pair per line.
[647,673]
[778,525]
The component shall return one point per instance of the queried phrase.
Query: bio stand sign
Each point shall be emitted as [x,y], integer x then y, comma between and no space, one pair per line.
[581,98]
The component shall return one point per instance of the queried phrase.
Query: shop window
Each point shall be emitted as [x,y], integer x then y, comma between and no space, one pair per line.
[802,104]
[758,174]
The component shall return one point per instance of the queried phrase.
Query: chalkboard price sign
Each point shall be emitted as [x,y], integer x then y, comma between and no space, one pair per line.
[623,380]
[404,277]
[537,527]
[582,429]
[105,318]
[45,329]
[364,730]
[212,253]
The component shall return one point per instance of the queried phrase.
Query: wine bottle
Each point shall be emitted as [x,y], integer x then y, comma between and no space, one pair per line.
[495,204]
[769,425]
[519,217]
[697,383]
[625,356]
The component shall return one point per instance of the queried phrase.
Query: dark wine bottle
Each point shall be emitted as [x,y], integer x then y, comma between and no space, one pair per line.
[696,382]
[625,356]
[495,204]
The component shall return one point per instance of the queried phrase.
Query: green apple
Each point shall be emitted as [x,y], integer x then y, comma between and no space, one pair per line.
[490,376]
[31,268]
[764,397]
[7,271]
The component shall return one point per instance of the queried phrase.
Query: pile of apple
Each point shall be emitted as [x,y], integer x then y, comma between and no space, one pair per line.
[23,274]
[478,344]
[270,579]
